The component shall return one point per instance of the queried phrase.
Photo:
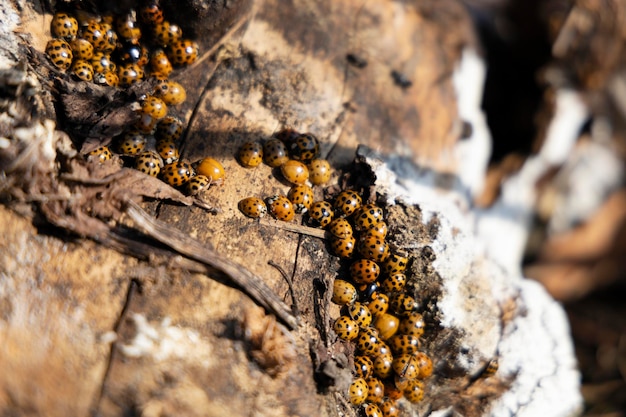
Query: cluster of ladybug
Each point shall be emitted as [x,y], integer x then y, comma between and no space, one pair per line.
[378,315]
[296,155]
[112,50]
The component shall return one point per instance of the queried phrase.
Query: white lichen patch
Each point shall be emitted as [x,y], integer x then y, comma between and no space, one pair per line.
[164,341]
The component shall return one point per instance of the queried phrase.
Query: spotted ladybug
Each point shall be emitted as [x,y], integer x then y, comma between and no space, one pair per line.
[320,214]
[340,228]
[364,271]
[132,142]
[404,343]
[414,391]
[149,162]
[146,124]
[166,33]
[81,49]
[82,70]
[129,74]
[281,208]
[197,184]
[171,92]
[347,202]
[101,154]
[304,148]
[374,248]
[252,207]
[406,366]
[160,63]
[382,365]
[412,324]
[403,304]
[363,366]
[287,135]
[394,283]
[127,27]
[346,328]
[379,305]
[182,52]
[392,392]
[319,171]
[389,406]
[102,62]
[376,390]
[395,263]
[368,340]
[250,154]
[358,391]
[372,410]
[59,53]
[425,365]
[387,325]
[343,248]
[96,35]
[212,168]
[343,292]
[106,78]
[151,14]
[294,171]
[301,196]
[133,53]
[177,173]
[168,151]
[275,152]
[368,217]
[110,38]
[64,26]
[169,128]
[380,230]
[154,106]
[360,314]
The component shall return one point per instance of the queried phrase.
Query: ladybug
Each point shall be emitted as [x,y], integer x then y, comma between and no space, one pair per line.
[101,63]
[133,53]
[129,74]
[387,325]
[412,324]
[81,49]
[252,207]
[381,349]
[131,143]
[368,217]
[379,305]
[342,248]
[374,248]
[275,153]
[358,391]
[64,26]
[96,35]
[160,63]
[169,128]
[425,364]
[320,214]
[319,171]
[376,391]
[367,291]
[212,168]
[389,406]
[368,340]
[301,196]
[347,202]
[372,410]
[380,230]
[182,52]
[177,173]
[364,271]
[360,314]
[491,368]
[394,283]
[149,162]
[127,27]
[414,391]
[382,365]
[197,184]
[363,366]
[281,208]
[146,124]
[106,78]
[154,107]
[168,151]
[340,228]
[403,304]
[404,343]
[101,154]
[166,33]
[392,392]
[304,148]
[395,264]
[346,328]
[406,366]
[343,292]
[287,135]
[294,171]
[171,92]
[82,70]
[110,38]
[151,14]
[60,53]
[250,154]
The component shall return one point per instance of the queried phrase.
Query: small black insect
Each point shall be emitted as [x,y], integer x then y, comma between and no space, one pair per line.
[400,79]
[356,61]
